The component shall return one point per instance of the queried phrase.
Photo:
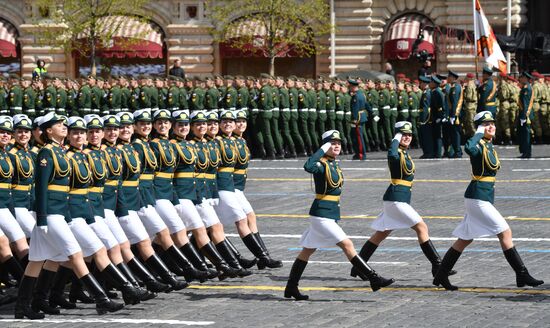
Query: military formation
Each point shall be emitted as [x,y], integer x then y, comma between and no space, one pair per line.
[288,114]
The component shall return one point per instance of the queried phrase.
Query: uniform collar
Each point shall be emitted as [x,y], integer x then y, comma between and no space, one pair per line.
[92,147]
[123,142]
[74,149]
[208,138]
[19,146]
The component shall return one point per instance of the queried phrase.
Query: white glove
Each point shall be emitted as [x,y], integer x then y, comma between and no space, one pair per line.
[480,129]
[522,122]
[326,146]
[444,120]
[398,136]
[43,228]
[452,119]
[376,118]
[438,120]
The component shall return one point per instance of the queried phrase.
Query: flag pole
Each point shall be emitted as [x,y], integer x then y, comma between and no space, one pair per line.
[475,38]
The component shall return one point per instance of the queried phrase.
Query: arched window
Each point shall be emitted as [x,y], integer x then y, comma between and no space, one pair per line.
[10,55]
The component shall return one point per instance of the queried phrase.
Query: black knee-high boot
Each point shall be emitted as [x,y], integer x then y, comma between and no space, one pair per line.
[168,260]
[103,303]
[57,293]
[432,255]
[447,264]
[291,289]
[523,277]
[245,263]
[130,294]
[13,267]
[189,271]
[198,262]
[41,291]
[209,250]
[255,248]
[148,279]
[144,294]
[23,305]
[376,281]
[273,263]
[230,258]
[24,261]
[156,264]
[366,252]
[77,293]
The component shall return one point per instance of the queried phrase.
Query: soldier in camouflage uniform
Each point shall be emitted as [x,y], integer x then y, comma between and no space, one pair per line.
[503,124]
[546,106]
[537,122]
[470,106]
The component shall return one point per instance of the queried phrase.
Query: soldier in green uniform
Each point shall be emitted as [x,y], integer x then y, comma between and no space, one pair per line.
[162,87]
[374,116]
[15,99]
[487,93]
[294,115]
[393,102]
[358,120]
[414,103]
[321,105]
[49,102]
[61,97]
[38,88]
[455,100]
[211,96]
[263,121]
[439,114]
[340,113]
[284,122]
[330,105]
[275,130]
[347,116]
[4,109]
[312,114]
[183,94]
[470,105]
[219,84]
[482,218]
[154,92]
[72,94]
[29,96]
[84,99]
[526,115]
[385,110]
[125,93]
[323,230]
[173,96]
[135,95]
[303,114]
[144,94]
[114,96]
[424,119]
[98,100]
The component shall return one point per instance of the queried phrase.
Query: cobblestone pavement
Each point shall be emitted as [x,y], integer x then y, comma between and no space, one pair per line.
[281,193]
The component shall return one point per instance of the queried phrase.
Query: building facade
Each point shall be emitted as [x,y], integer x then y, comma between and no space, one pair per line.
[368,34]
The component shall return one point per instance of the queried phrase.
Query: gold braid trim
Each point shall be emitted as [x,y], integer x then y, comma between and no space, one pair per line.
[115,171]
[9,173]
[186,160]
[19,165]
[97,175]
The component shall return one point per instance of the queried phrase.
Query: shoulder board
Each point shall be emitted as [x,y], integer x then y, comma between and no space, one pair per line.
[219,138]
[119,146]
[103,147]
[48,146]
[70,154]
[138,141]
[156,140]
[192,142]
[173,141]
[323,159]
[87,151]
[13,151]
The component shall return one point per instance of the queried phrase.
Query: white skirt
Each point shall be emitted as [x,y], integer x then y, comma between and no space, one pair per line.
[322,232]
[481,220]
[10,226]
[245,204]
[113,224]
[26,220]
[151,220]
[103,232]
[133,227]
[87,239]
[207,213]
[54,242]
[168,213]
[189,214]
[228,209]
[396,215]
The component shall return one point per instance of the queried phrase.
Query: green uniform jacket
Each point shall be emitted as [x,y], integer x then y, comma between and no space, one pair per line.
[526,100]
[61,102]
[15,98]
[201,152]
[28,100]
[184,176]
[485,163]
[114,99]
[98,168]
[162,98]
[85,97]
[113,197]
[80,178]
[211,98]
[243,98]
[51,183]
[97,97]
[230,99]
[125,95]
[154,96]
[487,96]
[438,105]
[144,98]
[131,168]
[23,176]
[455,99]
[241,166]
[424,110]
[134,100]
[214,160]
[166,158]
[228,159]
[50,98]
[197,99]
[402,173]
[183,98]
[148,166]
[6,174]
[328,179]
[173,100]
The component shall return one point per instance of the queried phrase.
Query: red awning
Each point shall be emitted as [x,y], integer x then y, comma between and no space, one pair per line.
[131,39]
[8,37]
[403,33]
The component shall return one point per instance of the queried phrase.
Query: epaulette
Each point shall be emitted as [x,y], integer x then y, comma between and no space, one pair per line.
[13,151]
[192,142]
[137,140]
[119,146]
[219,138]
[70,154]
[103,147]
[173,141]
[323,159]
[87,151]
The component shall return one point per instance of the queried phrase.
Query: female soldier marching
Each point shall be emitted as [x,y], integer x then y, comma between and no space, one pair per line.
[323,230]
[482,218]
[398,213]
